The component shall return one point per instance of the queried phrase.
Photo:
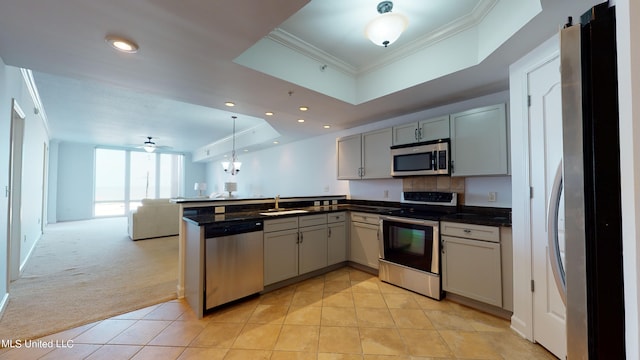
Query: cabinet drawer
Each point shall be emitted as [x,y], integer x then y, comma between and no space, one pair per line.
[471,231]
[366,218]
[281,224]
[311,220]
[336,217]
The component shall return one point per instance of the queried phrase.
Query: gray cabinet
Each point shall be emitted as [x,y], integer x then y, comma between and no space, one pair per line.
[425,130]
[294,246]
[280,249]
[479,143]
[312,245]
[364,244]
[472,262]
[364,156]
[336,238]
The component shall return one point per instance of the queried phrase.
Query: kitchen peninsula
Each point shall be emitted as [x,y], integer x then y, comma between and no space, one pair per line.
[267,247]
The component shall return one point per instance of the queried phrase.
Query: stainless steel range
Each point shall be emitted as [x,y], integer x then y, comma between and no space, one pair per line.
[410,242]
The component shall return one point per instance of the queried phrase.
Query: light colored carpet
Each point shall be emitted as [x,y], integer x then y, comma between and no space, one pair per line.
[84,271]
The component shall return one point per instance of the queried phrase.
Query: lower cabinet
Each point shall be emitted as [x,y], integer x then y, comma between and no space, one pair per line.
[294,246]
[364,248]
[280,251]
[312,248]
[472,262]
[336,238]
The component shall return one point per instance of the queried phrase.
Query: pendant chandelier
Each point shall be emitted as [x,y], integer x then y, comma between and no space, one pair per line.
[386,28]
[233,166]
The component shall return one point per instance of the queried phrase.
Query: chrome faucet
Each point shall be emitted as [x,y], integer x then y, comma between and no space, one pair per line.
[277,202]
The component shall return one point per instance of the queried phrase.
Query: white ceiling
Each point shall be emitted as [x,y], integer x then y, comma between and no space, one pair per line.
[174,88]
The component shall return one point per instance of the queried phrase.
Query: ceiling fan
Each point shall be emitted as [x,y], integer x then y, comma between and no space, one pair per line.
[150,146]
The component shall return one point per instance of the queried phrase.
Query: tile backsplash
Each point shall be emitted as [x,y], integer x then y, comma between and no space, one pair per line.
[435,183]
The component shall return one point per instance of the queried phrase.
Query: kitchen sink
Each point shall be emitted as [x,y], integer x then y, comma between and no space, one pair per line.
[282,212]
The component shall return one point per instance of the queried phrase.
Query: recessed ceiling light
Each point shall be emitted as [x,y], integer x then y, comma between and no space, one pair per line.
[122,44]
[269,113]
[230,104]
[276,142]
[327,126]
[300,120]
[303,108]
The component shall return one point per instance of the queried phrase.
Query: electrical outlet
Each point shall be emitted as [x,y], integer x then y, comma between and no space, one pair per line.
[492,196]
[326,189]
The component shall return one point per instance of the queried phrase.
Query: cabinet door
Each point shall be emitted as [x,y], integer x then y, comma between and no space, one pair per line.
[406,134]
[472,268]
[349,153]
[434,129]
[280,255]
[376,154]
[312,248]
[479,142]
[336,243]
[364,244]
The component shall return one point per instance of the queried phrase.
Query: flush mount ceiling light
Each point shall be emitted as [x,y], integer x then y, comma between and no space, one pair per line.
[385,29]
[121,44]
[269,113]
[303,108]
[230,104]
[300,120]
[233,166]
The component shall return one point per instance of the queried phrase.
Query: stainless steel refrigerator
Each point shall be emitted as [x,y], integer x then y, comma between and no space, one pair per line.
[591,270]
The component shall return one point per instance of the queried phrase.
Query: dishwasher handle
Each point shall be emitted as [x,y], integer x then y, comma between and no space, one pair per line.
[228,228]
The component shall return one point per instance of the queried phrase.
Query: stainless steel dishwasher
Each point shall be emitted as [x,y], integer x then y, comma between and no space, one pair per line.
[233,261]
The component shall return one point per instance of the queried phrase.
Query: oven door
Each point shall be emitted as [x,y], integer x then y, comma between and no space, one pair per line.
[411,242]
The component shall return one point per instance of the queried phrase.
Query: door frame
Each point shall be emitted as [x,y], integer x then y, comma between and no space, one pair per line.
[522,319]
[14,230]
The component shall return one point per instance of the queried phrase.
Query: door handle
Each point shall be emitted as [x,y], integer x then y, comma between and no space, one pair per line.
[552,235]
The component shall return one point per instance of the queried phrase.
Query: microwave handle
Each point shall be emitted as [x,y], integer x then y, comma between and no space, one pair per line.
[434,160]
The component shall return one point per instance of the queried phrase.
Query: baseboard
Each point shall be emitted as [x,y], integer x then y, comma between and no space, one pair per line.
[26,259]
[490,309]
[364,268]
[3,303]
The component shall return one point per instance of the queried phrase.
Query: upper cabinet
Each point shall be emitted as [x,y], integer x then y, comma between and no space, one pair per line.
[365,156]
[425,130]
[479,144]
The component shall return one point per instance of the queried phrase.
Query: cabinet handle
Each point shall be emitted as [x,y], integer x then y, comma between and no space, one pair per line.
[329,235]
[467,231]
[442,244]
[301,238]
[416,136]
[419,133]
[452,167]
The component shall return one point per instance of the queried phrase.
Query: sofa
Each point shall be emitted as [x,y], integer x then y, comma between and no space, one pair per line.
[154,218]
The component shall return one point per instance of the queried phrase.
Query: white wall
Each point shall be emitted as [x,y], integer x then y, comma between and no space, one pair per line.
[74,192]
[13,86]
[34,168]
[308,167]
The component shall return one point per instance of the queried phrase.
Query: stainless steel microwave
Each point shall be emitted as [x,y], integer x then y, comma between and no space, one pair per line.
[427,158]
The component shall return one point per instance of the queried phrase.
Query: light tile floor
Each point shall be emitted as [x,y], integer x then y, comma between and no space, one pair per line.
[346,314]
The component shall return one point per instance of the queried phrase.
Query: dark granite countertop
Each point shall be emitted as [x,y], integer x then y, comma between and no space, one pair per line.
[470,215]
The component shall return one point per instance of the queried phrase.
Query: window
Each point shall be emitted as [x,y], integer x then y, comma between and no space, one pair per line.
[123,178]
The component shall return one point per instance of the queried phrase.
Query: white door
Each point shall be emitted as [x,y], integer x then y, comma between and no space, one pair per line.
[545,132]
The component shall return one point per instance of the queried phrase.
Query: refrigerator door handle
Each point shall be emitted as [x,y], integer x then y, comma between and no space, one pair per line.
[552,235]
